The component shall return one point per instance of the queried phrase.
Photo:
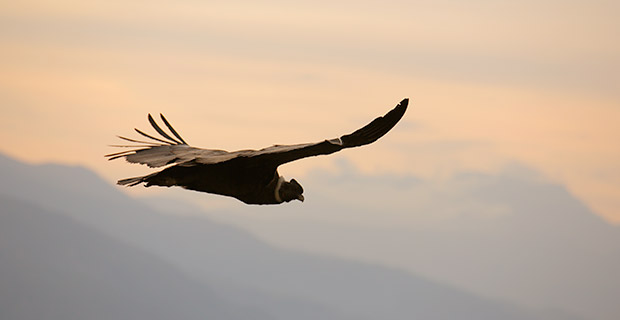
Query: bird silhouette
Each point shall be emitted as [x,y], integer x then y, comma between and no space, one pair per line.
[247,175]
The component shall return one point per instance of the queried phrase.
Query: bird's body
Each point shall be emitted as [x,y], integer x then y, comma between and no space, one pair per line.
[234,178]
[250,176]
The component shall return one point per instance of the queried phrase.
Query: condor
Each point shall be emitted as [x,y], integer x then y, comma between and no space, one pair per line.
[248,175]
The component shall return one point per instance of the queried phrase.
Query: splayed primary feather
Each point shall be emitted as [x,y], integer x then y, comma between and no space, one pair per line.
[160,131]
[174,132]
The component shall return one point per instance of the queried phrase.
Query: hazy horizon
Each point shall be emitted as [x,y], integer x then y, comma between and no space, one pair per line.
[510,238]
[83,249]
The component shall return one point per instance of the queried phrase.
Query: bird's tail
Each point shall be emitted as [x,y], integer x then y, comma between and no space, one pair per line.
[130,182]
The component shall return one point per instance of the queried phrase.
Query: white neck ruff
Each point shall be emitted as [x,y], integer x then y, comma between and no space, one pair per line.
[277,190]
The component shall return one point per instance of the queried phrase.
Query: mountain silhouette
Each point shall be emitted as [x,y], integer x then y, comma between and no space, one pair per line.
[52,267]
[229,267]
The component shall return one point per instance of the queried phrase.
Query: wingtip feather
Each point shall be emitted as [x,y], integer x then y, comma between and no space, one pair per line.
[160,131]
[174,132]
[376,128]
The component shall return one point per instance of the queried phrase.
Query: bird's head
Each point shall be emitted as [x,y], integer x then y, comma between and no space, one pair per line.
[291,190]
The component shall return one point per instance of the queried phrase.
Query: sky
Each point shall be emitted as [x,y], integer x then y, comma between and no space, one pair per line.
[492,84]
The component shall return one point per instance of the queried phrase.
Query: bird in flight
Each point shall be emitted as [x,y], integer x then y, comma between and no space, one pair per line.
[247,175]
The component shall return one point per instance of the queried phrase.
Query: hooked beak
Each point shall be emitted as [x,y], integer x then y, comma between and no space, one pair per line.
[300,198]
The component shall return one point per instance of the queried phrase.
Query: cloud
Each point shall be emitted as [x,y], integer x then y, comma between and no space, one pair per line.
[430,42]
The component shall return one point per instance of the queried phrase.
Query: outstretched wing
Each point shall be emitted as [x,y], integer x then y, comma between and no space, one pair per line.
[168,150]
[164,150]
[278,155]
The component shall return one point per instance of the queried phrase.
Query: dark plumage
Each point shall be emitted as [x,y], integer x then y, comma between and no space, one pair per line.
[248,175]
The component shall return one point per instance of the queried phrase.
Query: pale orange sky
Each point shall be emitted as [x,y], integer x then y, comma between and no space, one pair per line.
[533,82]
